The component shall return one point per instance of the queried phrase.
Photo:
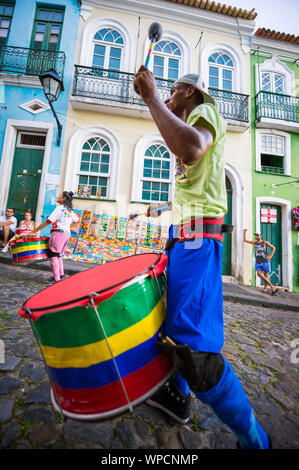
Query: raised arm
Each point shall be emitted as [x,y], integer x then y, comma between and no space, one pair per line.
[188,143]
[251,242]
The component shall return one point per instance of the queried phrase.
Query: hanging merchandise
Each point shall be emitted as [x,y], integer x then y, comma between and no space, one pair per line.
[296,217]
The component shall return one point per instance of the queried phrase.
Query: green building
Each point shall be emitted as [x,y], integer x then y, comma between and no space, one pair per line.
[275,146]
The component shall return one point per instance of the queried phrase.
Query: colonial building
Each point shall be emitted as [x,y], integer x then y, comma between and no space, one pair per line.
[275,144]
[35,36]
[112,148]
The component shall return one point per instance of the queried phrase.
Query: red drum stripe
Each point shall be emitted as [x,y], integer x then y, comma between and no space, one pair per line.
[110,397]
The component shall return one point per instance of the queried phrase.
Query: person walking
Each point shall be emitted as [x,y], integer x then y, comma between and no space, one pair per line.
[195,133]
[262,259]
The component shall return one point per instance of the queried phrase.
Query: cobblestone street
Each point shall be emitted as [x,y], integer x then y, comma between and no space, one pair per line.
[258,345]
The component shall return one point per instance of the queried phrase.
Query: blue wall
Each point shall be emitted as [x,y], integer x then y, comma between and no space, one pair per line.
[13,96]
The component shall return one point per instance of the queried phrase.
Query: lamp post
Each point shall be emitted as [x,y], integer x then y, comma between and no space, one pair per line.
[52,86]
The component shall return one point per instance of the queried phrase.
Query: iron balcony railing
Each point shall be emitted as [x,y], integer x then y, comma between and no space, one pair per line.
[26,61]
[232,106]
[112,85]
[277,106]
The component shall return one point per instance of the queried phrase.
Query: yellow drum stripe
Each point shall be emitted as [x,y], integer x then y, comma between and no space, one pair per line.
[41,246]
[91,354]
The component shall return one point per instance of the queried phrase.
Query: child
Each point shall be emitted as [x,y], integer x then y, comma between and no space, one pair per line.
[61,219]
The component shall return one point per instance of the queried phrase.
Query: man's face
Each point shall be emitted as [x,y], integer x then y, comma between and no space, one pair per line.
[176,102]
[9,212]
[258,237]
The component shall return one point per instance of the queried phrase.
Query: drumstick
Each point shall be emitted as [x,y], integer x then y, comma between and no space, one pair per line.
[154,34]
[164,208]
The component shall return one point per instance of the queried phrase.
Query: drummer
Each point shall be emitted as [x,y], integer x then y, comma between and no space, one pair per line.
[194,132]
[61,219]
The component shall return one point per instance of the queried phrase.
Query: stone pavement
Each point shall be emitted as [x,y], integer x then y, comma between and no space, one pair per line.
[260,344]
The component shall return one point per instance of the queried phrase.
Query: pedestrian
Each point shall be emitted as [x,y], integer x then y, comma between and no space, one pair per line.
[194,132]
[61,219]
[26,226]
[8,225]
[262,259]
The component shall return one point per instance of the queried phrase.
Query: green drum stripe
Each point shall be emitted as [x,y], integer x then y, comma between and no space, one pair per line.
[79,326]
[28,244]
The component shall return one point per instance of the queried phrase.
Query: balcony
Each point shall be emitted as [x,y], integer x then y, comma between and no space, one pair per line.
[30,62]
[277,111]
[111,91]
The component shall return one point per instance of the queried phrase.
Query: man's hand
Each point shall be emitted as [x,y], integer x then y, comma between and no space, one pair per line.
[269,257]
[145,84]
[151,211]
[245,230]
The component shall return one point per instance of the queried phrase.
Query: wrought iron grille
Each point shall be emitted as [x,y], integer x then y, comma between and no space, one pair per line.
[26,61]
[277,106]
[113,85]
[231,105]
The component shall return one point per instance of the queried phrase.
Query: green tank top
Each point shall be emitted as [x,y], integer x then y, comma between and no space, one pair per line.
[200,188]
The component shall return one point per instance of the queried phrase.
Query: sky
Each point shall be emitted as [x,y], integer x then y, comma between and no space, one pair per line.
[280,15]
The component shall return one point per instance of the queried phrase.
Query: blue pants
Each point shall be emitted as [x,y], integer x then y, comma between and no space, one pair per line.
[195,317]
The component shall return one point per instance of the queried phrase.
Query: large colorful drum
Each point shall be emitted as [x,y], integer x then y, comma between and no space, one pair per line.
[29,251]
[97,332]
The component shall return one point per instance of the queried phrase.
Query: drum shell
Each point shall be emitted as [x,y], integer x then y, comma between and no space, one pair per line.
[29,251]
[83,376]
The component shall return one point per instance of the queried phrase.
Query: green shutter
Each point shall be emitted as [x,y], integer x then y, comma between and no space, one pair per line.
[46,33]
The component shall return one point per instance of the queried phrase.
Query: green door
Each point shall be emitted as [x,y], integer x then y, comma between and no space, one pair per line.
[227,237]
[271,232]
[26,174]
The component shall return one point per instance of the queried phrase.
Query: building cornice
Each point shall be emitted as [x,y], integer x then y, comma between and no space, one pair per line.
[182,15]
[275,48]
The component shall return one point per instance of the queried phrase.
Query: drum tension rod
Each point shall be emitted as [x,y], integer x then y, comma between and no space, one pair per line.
[91,298]
[29,315]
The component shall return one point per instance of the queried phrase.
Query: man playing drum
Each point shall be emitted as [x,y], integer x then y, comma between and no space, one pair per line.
[194,132]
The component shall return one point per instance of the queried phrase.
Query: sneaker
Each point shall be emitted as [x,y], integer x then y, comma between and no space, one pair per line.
[172,401]
[4,250]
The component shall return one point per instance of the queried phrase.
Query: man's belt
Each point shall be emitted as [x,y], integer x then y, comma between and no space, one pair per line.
[200,228]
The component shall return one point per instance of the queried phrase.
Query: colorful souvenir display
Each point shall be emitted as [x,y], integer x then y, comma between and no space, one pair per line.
[103,225]
[121,228]
[112,228]
[85,221]
[99,192]
[130,234]
[94,225]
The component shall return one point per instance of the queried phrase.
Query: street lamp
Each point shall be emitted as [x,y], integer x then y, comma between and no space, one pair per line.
[52,86]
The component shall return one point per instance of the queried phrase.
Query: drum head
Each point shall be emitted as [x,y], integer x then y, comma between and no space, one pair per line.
[103,280]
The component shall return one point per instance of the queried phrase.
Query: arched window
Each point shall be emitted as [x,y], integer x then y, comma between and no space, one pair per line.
[166,60]
[94,172]
[108,49]
[221,71]
[156,178]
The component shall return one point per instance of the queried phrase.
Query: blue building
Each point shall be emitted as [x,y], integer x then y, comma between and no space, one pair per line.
[35,36]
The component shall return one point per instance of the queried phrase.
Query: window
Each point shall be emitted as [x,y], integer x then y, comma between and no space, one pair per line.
[6,12]
[221,71]
[156,177]
[47,29]
[94,169]
[108,49]
[272,153]
[166,60]
[273,82]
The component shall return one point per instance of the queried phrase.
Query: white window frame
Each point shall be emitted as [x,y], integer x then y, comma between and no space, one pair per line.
[184,62]
[108,46]
[224,48]
[274,65]
[142,145]
[287,148]
[74,158]
[221,68]
[91,28]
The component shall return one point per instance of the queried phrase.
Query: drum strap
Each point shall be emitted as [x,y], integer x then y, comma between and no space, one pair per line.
[109,347]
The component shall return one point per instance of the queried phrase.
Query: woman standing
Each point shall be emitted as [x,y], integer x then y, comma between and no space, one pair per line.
[61,219]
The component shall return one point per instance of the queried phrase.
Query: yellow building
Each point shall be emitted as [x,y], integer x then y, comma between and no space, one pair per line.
[112,144]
